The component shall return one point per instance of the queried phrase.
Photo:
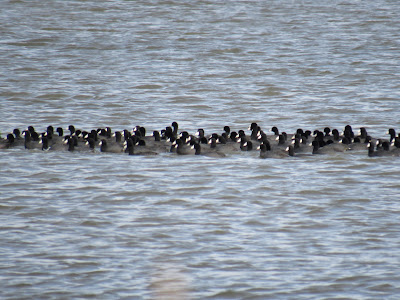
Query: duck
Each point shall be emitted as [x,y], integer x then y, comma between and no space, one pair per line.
[157,136]
[317,148]
[382,151]
[71,129]
[261,137]
[280,141]
[70,142]
[112,148]
[267,152]
[254,128]
[151,143]
[49,134]
[175,127]
[105,133]
[290,150]
[358,144]
[167,134]
[299,147]
[213,143]
[327,131]
[396,146]
[219,144]
[130,149]
[198,151]
[362,133]
[183,148]
[91,143]
[264,150]
[45,143]
[330,146]
[7,142]
[233,137]
[18,139]
[348,132]
[31,142]
[139,131]
[246,145]
[392,134]
[275,130]
[227,130]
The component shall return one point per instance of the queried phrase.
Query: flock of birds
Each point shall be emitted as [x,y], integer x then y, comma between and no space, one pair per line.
[276,144]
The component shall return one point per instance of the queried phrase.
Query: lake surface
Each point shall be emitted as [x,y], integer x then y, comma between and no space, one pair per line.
[113,226]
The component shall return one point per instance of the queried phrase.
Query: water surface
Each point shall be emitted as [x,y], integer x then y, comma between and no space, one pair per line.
[107,226]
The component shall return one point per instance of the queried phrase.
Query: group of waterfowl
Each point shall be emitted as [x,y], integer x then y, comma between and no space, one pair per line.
[275,144]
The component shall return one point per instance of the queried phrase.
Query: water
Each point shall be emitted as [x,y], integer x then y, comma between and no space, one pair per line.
[107,226]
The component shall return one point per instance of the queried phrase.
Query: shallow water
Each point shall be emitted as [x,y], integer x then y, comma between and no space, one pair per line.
[78,225]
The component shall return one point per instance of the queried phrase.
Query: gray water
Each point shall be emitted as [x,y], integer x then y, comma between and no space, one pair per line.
[111,226]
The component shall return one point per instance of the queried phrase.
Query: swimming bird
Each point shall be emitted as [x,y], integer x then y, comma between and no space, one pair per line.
[130,149]
[254,130]
[31,142]
[358,144]
[275,130]
[227,130]
[382,151]
[246,146]
[91,143]
[233,136]
[175,127]
[267,152]
[392,134]
[199,151]
[70,142]
[183,148]
[45,143]
[113,148]
[348,132]
[18,139]
[156,135]
[71,129]
[7,142]
[290,150]
[362,133]
[300,147]
[219,144]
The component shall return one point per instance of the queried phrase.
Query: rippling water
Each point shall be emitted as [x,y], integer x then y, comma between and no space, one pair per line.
[77,225]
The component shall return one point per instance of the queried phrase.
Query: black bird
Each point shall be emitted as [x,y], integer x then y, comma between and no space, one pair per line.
[45,143]
[7,142]
[267,152]
[157,137]
[18,139]
[382,151]
[182,148]
[91,143]
[246,146]
[198,151]
[113,147]
[275,130]
[130,149]
[71,129]
[175,126]
[31,142]
[227,130]
[392,134]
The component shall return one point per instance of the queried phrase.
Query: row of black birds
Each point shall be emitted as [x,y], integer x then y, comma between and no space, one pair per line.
[275,144]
